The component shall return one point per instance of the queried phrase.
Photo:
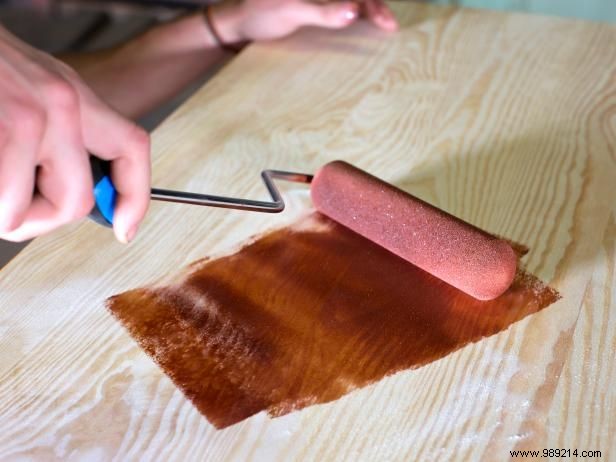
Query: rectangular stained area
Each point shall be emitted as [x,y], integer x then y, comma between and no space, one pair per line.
[304,315]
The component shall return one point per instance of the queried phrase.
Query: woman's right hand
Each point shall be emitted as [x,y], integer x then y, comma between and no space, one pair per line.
[49,123]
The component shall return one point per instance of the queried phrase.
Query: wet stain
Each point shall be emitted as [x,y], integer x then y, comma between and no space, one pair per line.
[304,315]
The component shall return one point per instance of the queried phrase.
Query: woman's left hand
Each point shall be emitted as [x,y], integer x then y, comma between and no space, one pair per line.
[256,20]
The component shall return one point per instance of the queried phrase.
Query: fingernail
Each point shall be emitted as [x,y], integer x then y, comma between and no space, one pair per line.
[131,233]
[350,14]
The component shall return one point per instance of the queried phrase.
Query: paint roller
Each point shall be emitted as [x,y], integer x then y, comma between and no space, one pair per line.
[450,249]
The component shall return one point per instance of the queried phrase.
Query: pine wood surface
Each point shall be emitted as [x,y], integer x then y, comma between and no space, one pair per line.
[505,120]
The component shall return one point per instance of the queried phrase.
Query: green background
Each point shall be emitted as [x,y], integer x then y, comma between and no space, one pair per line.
[597,10]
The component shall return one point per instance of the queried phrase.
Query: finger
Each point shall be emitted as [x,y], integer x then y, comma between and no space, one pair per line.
[41,218]
[63,180]
[64,193]
[331,15]
[19,143]
[380,15]
[64,177]
[38,222]
[111,137]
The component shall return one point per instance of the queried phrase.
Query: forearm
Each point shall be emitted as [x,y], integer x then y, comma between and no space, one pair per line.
[147,71]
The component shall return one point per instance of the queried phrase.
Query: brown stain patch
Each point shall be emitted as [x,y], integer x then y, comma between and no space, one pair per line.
[304,315]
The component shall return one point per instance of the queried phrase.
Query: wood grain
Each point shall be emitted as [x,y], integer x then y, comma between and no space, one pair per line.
[583,413]
[505,120]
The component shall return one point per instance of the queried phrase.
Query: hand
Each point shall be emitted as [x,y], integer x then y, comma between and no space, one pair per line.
[272,19]
[49,121]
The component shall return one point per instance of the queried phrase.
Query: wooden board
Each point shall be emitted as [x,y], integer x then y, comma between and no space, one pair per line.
[506,120]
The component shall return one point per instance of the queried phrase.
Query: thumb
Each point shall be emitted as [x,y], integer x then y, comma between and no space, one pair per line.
[111,137]
[331,15]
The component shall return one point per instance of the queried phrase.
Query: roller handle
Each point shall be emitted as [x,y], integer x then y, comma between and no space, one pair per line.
[104,192]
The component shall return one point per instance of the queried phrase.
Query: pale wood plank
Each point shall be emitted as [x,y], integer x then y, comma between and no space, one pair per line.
[583,414]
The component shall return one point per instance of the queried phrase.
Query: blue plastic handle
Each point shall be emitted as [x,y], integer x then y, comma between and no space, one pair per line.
[105,193]
[105,198]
